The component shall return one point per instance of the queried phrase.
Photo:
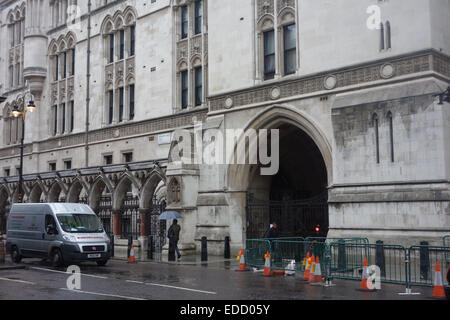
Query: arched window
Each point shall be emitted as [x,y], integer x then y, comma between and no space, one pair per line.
[267,46]
[375,123]
[382,43]
[391,134]
[174,191]
[388,35]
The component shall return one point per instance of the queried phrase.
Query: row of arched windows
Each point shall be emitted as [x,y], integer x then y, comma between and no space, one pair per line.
[119,43]
[16,30]
[12,127]
[62,69]
[277,45]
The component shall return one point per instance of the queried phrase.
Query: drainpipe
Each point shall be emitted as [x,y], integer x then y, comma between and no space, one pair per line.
[88,78]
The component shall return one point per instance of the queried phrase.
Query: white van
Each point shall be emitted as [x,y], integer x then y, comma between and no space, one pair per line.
[65,233]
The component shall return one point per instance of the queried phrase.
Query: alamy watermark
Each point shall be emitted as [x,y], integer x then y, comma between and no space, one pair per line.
[374,278]
[74,280]
[231,146]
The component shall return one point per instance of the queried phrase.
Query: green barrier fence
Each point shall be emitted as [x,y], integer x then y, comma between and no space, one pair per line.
[255,251]
[347,261]
[285,251]
[446,241]
[343,258]
[422,264]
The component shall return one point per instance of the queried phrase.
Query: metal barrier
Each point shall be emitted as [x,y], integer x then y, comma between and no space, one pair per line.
[284,251]
[422,263]
[330,240]
[446,241]
[346,261]
[344,258]
[255,251]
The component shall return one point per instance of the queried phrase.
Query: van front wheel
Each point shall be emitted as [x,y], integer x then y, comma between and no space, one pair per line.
[15,255]
[57,258]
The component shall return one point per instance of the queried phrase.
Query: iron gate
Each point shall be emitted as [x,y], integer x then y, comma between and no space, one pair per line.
[156,229]
[295,218]
[104,212]
[4,218]
[131,219]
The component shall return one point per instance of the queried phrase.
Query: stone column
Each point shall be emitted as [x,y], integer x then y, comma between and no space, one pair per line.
[117,223]
[143,239]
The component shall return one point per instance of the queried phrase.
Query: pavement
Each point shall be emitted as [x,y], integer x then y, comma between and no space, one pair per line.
[186,279]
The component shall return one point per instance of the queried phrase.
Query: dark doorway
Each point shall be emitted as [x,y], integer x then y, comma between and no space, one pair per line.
[296,198]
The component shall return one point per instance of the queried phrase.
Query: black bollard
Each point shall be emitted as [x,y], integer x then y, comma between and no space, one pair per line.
[424,261]
[380,260]
[112,239]
[130,242]
[204,249]
[171,249]
[342,259]
[227,253]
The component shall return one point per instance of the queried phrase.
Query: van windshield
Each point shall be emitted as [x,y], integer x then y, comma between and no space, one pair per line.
[80,223]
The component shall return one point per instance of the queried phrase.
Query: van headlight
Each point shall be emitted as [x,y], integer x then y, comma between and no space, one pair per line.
[69,238]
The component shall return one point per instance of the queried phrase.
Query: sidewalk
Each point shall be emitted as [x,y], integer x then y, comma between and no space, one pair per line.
[191,260]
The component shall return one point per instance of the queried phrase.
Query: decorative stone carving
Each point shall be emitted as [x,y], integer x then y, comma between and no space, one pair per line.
[330,82]
[387,71]
[275,93]
[265,7]
[281,4]
[229,103]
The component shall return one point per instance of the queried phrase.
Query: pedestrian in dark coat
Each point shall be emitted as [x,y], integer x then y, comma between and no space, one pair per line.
[174,235]
[272,233]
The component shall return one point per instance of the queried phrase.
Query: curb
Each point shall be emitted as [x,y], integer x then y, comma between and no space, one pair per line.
[3,268]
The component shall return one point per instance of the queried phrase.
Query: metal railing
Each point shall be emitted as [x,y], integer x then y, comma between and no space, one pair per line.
[347,261]
[343,258]
[446,241]
[255,251]
[422,263]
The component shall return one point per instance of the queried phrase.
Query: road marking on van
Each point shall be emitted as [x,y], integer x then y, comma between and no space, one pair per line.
[19,281]
[63,272]
[103,294]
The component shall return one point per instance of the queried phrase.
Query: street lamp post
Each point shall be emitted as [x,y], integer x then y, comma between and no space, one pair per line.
[17,112]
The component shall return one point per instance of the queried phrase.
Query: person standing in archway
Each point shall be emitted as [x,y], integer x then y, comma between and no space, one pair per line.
[174,235]
[272,233]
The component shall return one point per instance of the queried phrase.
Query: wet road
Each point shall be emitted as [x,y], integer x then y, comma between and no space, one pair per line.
[158,281]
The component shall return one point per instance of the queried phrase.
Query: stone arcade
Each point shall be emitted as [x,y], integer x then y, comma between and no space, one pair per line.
[364,143]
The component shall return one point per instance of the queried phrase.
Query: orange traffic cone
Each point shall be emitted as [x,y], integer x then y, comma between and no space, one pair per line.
[267,271]
[241,257]
[317,280]
[365,277]
[308,269]
[132,258]
[438,290]
[305,260]
[313,270]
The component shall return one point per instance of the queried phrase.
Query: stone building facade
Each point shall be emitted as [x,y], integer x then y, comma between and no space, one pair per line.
[364,143]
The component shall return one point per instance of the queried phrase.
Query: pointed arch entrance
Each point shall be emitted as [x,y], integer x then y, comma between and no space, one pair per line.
[296,197]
